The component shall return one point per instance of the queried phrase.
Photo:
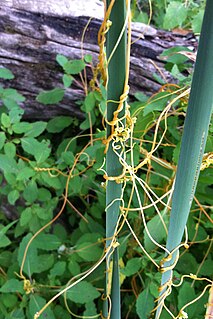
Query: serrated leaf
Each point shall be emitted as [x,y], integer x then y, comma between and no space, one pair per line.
[58,124]
[6,74]
[45,262]
[50,97]
[74,66]
[144,304]
[83,292]
[176,14]
[85,252]
[36,129]
[74,268]
[12,285]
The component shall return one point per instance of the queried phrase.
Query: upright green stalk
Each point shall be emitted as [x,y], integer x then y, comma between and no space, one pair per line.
[193,141]
[115,88]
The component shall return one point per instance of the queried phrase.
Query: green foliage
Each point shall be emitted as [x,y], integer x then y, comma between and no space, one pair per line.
[32,195]
[171,14]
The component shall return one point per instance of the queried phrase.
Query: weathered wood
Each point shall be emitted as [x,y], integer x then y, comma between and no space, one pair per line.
[30,40]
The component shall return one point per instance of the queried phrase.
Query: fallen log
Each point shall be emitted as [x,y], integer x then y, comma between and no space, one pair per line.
[33,32]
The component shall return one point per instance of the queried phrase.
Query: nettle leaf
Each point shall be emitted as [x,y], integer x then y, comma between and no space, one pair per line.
[47,242]
[2,139]
[144,304]
[50,97]
[74,66]
[58,124]
[157,231]
[35,304]
[176,14]
[6,74]
[12,285]
[133,266]
[84,292]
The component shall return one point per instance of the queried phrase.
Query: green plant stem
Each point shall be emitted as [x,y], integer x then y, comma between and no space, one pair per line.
[193,140]
[115,88]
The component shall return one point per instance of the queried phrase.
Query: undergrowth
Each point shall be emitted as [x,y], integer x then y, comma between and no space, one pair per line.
[53,203]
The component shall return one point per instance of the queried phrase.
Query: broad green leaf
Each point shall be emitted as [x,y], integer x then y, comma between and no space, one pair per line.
[58,269]
[61,59]
[21,127]
[50,97]
[75,185]
[89,102]
[133,266]
[74,66]
[186,294]
[87,123]
[5,241]
[144,304]
[88,58]
[35,304]
[47,242]
[157,103]
[156,230]
[31,262]
[26,216]
[143,122]
[91,310]
[44,194]
[5,120]
[58,124]
[40,150]
[30,193]
[4,229]
[6,74]
[187,261]
[88,251]
[45,262]
[2,139]
[197,21]
[12,285]
[36,129]
[13,196]
[25,174]
[83,292]
[68,158]
[9,300]
[74,268]
[176,14]
[10,149]
[67,80]
[15,114]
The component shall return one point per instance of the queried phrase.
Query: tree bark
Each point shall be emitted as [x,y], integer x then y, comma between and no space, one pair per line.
[33,32]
